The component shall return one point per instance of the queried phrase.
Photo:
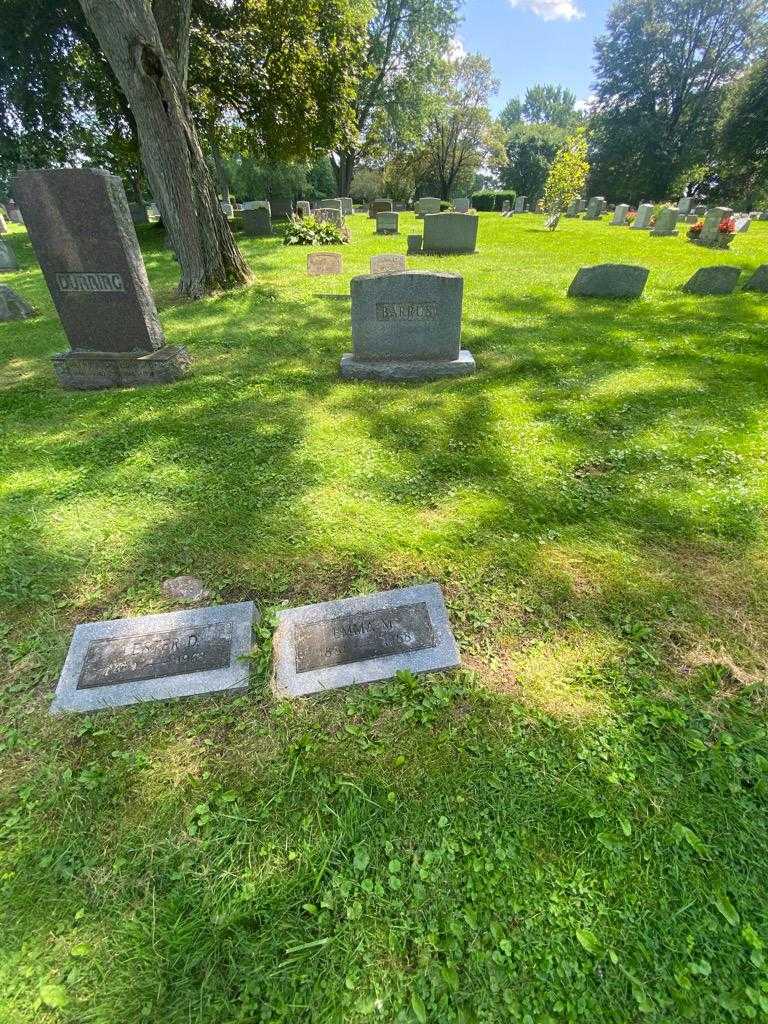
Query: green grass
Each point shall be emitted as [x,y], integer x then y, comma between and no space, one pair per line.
[573,828]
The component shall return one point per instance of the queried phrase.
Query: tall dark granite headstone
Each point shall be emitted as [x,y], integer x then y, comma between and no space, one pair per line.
[83,235]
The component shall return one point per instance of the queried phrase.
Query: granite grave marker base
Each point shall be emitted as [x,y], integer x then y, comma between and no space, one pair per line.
[84,370]
[355,368]
[321,647]
[156,657]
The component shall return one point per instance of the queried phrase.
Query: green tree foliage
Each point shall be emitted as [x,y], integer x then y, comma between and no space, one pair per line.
[744,135]
[367,184]
[461,135]
[549,104]
[531,149]
[250,178]
[568,173]
[512,113]
[661,69]
[405,48]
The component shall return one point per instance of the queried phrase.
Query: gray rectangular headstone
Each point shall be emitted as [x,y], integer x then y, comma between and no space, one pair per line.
[387,224]
[595,208]
[321,647]
[643,218]
[347,208]
[620,215]
[520,204]
[666,222]
[461,205]
[83,236]
[330,214]
[281,208]
[257,223]
[8,259]
[450,233]
[427,204]
[156,657]
[684,205]
[14,213]
[710,234]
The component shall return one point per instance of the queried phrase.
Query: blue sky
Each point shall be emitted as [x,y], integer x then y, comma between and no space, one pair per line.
[534,41]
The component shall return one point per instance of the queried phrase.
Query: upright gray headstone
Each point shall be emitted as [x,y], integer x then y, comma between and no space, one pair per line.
[666,223]
[13,306]
[506,206]
[14,213]
[710,233]
[332,204]
[595,208]
[81,230]
[572,209]
[520,204]
[379,206]
[461,205]
[227,208]
[257,223]
[387,224]
[582,205]
[450,233]
[3,225]
[322,647]
[328,214]
[719,280]
[684,205]
[139,213]
[427,204]
[257,204]
[303,208]
[8,259]
[609,281]
[700,211]
[620,215]
[280,209]
[742,223]
[407,326]
[643,219]
[414,244]
[758,282]
[347,208]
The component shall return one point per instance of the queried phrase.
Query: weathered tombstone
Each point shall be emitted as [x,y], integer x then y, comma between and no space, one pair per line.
[520,204]
[379,206]
[303,208]
[281,209]
[684,205]
[328,214]
[388,263]
[763,215]
[427,204]
[620,215]
[414,244]
[573,209]
[156,657]
[461,205]
[139,213]
[552,221]
[347,207]
[13,306]
[226,208]
[3,225]
[582,205]
[450,233]
[609,281]
[742,223]
[81,230]
[719,280]
[594,208]
[758,282]
[643,219]
[666,223]
[710,233]
[506,206]
[257,204]
[406,326]
[700,211]
[387,224]
[333,204]
[321,264]
[321,647]
[257,223]
[8,259]
[14,213]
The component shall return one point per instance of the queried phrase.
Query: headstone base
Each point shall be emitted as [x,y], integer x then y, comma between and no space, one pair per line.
[80,370]
[416,369]
[664,234]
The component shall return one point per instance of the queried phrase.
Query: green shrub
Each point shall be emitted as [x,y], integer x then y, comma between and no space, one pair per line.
[444,205]
[307,231]
[492,199]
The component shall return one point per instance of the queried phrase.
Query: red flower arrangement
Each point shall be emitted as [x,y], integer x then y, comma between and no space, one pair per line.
[694,231]
[727,226]
[631,214]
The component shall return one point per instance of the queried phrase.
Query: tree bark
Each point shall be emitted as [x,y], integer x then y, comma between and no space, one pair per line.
[343,165]
[180,179]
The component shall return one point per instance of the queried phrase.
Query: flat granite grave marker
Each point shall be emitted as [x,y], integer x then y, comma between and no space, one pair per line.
[257,222]
[8,259]
[609,281]
[718,280]
[620,215]
[406,326]
[666,223]
[387,224]
[81,230]
[321,264]
[450,233]
[643,219]
[321,647]
[758,282]
[388,263]
[156,657]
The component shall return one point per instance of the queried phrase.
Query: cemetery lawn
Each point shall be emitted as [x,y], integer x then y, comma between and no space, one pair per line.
[571,829]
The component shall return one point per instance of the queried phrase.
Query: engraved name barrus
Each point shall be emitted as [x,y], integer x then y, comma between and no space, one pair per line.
[362,636]
[89,282]
[406,311]
[142,656]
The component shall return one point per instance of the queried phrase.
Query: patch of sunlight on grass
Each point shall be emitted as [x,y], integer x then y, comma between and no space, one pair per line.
[547,674]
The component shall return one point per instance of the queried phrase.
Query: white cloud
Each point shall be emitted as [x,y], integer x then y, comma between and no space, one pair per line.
[550,10]
[583,106]
[455,50]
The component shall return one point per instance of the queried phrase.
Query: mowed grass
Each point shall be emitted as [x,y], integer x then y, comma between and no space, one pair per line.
[574,827]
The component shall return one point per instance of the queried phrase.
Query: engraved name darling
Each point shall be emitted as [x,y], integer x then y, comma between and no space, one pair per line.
[406,311]
[90,282]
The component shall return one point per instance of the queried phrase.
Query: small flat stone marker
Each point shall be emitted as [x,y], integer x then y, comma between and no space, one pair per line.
[609,281]
[321,264]
[187,589]
[7,257]
[758,282]
[719,280]
[388,263]
[325,646]
[156,657]
[12,306]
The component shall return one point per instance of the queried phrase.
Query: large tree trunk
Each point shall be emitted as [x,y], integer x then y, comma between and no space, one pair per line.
[181,182]
[343,165]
